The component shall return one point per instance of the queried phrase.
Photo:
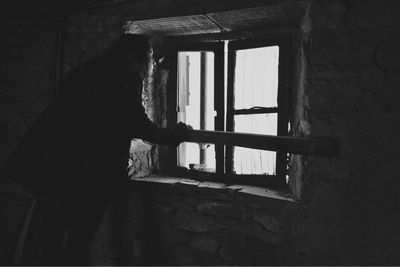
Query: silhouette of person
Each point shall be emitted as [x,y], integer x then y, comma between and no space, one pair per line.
[80,144]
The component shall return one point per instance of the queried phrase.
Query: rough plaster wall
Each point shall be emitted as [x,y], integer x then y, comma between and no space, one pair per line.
[353,94]
[27,71]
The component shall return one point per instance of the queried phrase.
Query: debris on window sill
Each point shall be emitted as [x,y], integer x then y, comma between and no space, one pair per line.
[246,189]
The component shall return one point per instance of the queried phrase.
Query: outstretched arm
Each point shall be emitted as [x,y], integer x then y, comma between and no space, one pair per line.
[149,131]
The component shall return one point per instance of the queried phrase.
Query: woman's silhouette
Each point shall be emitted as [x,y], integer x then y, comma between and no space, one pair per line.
[79,146]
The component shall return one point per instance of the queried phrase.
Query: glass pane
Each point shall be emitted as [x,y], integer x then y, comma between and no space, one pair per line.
[254,161]
[257,123]
[256,77]
[190,110]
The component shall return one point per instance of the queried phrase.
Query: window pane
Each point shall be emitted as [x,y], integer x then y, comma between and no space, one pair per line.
[189,104]
[256,77]
[257,123]
[254,161]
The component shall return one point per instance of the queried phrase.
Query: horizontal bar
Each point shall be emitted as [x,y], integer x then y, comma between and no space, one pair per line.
[277,39]
[198,47]
[250,111]
[303,146]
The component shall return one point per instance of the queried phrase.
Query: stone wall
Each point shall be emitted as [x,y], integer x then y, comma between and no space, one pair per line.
[28,50]
[192,223]
[352,89]
[348,90]
[299,123]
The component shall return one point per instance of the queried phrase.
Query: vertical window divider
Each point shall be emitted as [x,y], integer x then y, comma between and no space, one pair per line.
[283,105]
[219,104]
[172,105]
[230,107]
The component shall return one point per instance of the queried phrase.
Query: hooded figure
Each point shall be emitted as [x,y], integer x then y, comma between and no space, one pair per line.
[79,145]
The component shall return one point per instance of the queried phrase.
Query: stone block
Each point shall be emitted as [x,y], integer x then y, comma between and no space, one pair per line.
[212,195]
[184,256]
[163,209]
[262,253]
[220,209]
[201,223]
[337,8]
[183,218]
[77,18]
[347,49]
[318,16]
[205,244]
[377,16]
[329,169]
[84,45]
[191,201]
[224,224]
[234,249]
[141,158]
[328,201]
[257,231]
[187,219]
[388,55]
[170,235]
[268,221]
[318,242]
[336,16]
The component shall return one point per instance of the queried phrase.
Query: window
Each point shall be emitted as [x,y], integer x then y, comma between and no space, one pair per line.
[253,98]
[196,106]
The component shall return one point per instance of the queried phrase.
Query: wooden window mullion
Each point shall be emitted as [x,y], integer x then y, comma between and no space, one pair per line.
[230,108]
[255,111]
[172,106]
[219,104]
[283,106]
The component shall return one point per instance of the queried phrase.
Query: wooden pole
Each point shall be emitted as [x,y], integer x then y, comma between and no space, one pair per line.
[305,146]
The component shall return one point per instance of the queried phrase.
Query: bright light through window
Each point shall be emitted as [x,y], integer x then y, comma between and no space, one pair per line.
[256,86]
[256,77]
[196,88]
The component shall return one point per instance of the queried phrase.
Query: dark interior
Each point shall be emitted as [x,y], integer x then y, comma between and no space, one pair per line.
[343,75]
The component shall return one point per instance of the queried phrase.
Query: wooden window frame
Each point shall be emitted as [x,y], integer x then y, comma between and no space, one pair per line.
[283,109]
[219,121]
[224,154]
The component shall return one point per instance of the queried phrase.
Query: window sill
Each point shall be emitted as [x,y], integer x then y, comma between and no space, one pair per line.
[281,195]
